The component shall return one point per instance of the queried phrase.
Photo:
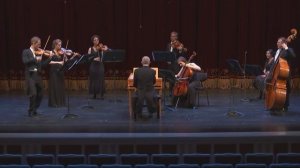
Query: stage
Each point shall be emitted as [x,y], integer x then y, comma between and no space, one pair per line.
[111,115]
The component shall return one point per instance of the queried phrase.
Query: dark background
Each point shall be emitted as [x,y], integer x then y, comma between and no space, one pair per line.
[216,29]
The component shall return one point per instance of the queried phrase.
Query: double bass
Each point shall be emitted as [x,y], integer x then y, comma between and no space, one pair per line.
[276,88]
[182,83]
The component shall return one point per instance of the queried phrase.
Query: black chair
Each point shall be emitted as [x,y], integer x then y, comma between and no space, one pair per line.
[217,165]
[8,159]
[102,159]
[288,158]
[196,158]
[48,166]
[201,77]
[165,159]
[70,159]
[134,159]
[39,159]
[183,166]
[150,166]
[250,165]
[284,165]
[228,158]
[116,166]
[261,158]
[83,166]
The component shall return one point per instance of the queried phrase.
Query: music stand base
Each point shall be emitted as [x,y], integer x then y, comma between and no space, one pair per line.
[69,116]
[245,99]
[87,107]
[234,114]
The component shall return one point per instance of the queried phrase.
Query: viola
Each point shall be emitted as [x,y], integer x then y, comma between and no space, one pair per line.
[178,45]
[101,47]
[41,52]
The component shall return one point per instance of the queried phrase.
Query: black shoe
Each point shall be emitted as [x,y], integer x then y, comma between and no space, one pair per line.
[277,112]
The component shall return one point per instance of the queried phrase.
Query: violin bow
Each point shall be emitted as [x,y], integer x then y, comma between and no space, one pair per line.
[47,42]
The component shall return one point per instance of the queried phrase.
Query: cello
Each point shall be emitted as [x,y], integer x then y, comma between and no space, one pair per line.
[181,85]
[276,88]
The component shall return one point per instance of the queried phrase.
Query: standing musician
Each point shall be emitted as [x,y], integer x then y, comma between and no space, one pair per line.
[96,71]
[259,82]
[56,76]
[286,53]
[32,58]
[189,99]
[144,79]
[177,49]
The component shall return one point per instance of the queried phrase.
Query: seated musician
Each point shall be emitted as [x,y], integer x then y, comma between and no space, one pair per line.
[189,100]
[144,80]
[259,82]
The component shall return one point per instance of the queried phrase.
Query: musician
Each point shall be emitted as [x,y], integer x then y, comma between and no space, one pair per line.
[259,82]
[33,64]
[144,79]
[177,50]
[288,54]
[96,71]
[56,76]
[189,100]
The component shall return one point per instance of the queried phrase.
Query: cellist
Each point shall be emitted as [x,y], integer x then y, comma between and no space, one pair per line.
[283,51]
[189,100]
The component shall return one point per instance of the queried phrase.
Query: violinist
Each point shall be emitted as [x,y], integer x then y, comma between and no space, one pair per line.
[188,100]
[56,77]
[33,64]
[96,71]
[177,49]
[287,53]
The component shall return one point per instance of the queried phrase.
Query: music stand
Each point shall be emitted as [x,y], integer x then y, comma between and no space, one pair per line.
[165,56]
[114,56]
[253,70]
[234,68]
[68,65]
[83,60]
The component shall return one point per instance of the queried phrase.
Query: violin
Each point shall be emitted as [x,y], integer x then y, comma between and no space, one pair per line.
[178,45]
[41,52]
[101,47]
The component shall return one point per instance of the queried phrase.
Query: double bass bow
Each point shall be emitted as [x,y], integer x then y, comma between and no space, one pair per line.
[181,85]
[276,86]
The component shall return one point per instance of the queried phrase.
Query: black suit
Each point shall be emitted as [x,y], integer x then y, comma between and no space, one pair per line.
[33,79]
[144,79]
[288,55]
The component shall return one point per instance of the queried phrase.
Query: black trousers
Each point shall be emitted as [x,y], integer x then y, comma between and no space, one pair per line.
[288,91]
[147,96]
[34,90]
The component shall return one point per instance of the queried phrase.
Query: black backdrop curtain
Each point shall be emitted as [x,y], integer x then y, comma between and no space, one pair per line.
[216,29]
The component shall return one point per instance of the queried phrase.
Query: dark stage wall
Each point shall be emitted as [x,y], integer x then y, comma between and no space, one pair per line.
[216,29]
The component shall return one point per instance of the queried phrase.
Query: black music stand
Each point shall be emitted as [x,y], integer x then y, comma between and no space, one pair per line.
[68,65]
[114,56]
[83,59]
[165,56]
[235,69]
[253,70]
